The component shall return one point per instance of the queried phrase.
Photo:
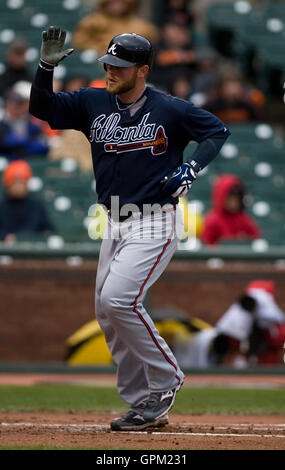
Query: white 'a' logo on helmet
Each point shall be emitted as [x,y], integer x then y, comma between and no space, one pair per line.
[112,49]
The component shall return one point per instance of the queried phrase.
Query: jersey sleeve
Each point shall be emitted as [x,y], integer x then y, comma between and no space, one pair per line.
[68,111]
[60,110]
[199,124]
[206,129]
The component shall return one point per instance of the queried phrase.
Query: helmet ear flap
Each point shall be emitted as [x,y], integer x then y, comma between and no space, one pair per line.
[105,67]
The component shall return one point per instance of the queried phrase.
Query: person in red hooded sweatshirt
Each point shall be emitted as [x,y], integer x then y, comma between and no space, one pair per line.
[227,220]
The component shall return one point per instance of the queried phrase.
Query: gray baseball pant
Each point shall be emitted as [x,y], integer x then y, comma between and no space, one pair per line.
[130,261]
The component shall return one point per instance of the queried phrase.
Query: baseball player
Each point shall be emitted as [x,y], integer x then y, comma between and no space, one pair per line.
[137,136]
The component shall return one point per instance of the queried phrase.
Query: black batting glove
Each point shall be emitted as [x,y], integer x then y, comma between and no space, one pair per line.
[52,45]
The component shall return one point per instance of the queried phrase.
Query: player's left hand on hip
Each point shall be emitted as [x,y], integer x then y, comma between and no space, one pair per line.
[178,182]
[52,44]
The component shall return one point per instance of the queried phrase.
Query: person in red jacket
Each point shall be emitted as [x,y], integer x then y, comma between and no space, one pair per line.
[227,220]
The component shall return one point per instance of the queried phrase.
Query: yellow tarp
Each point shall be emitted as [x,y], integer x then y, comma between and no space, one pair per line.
[88,346]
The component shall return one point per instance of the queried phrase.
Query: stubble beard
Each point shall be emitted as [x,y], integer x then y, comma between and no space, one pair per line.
[123,87]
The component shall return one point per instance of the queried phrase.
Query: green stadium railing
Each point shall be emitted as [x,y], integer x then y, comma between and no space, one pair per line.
[90,250]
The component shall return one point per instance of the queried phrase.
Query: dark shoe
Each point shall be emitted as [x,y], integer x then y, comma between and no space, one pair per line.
[132,421]
[159,403]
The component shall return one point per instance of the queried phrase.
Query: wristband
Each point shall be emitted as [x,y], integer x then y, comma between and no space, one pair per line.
[46,66]
[196,167]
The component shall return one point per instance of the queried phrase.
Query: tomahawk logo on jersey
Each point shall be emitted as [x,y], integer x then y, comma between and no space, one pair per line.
[119,139]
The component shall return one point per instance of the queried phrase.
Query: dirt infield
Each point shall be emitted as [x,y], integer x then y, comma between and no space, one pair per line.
[91,430]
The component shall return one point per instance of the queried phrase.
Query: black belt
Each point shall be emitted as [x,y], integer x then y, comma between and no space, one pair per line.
[122,218]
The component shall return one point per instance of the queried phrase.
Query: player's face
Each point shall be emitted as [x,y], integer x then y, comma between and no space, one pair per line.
[121,79]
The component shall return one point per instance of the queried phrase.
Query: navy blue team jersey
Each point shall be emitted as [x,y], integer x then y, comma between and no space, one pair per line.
[131,154]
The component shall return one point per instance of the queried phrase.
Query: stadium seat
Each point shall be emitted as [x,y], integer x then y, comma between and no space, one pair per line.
[258,44]
[223,20]
[16,6]
[68,216]
[274,9]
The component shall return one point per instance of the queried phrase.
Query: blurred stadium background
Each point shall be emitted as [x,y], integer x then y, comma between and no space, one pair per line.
[47,282]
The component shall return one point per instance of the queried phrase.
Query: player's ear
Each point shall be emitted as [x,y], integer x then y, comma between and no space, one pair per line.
[143,71]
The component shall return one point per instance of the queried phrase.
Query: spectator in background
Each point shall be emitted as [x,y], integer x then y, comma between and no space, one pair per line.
[19,212]
[20,137]
[181,87]
[179,10]
[205,78]
[75,82]
[112,17]
[174,56]
[16,65]
[233,101]
[227,220]
[178,62]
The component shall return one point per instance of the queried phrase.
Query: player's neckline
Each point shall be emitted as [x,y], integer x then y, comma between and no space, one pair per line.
[131,104]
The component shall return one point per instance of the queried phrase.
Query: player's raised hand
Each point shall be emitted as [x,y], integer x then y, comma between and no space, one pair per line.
[178,182]
[52,46]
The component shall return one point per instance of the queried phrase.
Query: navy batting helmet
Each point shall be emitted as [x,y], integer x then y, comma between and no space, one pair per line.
[128,49]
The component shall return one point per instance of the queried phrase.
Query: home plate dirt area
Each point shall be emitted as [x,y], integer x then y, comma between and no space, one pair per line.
[183,432]
[92,430]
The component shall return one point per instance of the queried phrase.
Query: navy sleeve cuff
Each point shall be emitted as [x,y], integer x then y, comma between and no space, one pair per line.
[206,151]
[44,77]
